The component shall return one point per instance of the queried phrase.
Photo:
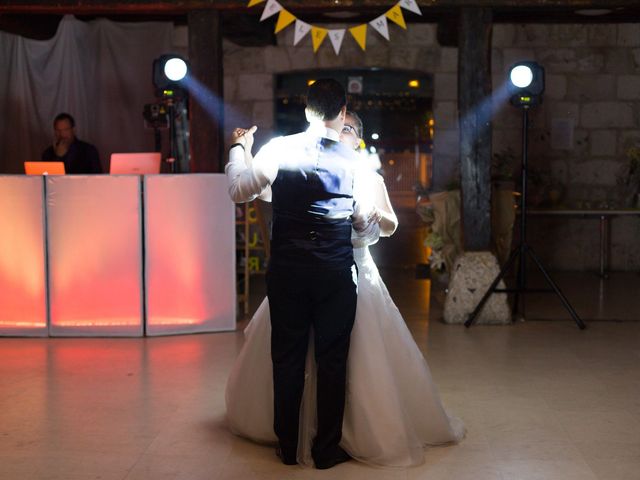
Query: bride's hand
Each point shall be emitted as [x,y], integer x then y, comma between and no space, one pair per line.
[375,216]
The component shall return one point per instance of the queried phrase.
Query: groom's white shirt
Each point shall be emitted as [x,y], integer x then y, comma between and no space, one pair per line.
[248,182]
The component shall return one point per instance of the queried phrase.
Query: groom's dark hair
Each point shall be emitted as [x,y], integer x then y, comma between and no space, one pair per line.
[325,98]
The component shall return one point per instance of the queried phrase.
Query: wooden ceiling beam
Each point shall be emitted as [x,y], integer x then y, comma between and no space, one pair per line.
[93,7]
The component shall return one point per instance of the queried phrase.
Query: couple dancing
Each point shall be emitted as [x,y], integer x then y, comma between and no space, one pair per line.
[329,370]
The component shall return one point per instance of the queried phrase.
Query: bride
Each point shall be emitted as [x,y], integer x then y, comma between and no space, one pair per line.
[393,410]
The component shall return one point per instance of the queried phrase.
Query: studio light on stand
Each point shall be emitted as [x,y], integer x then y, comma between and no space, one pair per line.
[170,73]
[526,86]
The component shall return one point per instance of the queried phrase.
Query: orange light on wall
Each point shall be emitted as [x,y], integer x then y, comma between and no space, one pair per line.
[95,255]
[193,291]
[22,257]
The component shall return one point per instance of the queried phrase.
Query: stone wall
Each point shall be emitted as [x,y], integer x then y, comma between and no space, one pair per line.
[589,117]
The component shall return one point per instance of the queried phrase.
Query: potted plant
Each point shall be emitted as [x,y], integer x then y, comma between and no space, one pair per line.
[628,178]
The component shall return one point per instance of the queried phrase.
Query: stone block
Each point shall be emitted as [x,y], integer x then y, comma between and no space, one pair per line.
[301,56]
[602,34]
[562,110]
[606,115]
[629,34]
[446,115]
[262,115]
[627,139]
[471,276]
[276,59]
[427,58]
[555,86]
[591,87]
[422,34]
[601,172]
[513,55]
[558,60]
[255,87]
[403,56]
[230,87]
[446,141]
[603,143]
[244,60]
[237,114]
[629,87]
[445,168]
[590,61]
[180,37]
[619,60]
[448,60]
[541,35]
[636,59]
[445,86]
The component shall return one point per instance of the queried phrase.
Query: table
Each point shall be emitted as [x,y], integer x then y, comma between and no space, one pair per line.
[602,214]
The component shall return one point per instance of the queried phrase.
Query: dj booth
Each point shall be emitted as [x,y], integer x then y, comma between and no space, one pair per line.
[116,255]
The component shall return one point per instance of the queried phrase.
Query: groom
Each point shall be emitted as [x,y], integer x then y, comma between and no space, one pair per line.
[311,279]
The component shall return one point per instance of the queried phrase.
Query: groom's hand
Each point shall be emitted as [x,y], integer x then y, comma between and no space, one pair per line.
[244,136]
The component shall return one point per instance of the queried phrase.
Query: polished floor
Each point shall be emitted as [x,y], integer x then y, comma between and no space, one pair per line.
[541,399]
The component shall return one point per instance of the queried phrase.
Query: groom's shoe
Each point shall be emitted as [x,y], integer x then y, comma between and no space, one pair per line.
[286,459]
[340,457]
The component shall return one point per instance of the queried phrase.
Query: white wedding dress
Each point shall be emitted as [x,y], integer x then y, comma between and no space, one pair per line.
[392,410]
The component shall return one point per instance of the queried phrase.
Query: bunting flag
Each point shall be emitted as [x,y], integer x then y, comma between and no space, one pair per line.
[360,34]
[318,34]
[395,15]
[381,26]
[271,8]
[284,19]
[317,37]
[410,5]
[336,37]
[301,30]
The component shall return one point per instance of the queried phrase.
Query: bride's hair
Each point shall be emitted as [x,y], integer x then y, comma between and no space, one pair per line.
[357,122]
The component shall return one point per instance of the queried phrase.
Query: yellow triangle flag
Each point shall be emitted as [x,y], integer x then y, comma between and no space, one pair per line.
[284,19]
[317,36]
[360,34]
[254,2]
[395,15]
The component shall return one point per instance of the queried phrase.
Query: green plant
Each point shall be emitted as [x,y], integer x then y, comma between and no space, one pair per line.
[628,177]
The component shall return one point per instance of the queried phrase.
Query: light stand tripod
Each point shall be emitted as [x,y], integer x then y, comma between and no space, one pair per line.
[521,251]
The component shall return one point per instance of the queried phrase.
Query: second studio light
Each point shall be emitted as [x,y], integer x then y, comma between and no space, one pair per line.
[169,71]
[526,83]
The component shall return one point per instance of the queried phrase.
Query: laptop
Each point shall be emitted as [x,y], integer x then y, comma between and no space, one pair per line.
[135,163]
[44,168]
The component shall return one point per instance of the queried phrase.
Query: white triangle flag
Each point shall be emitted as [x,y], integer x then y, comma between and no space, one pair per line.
[410,5]
[381,26]
[336,37]
[302,29]
[271,8]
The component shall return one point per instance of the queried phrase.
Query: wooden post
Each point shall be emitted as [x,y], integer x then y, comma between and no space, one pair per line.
[474,105]
[206,99]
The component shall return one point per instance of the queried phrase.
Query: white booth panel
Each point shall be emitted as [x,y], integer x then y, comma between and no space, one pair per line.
[23,297]
[189,254]
[95,255]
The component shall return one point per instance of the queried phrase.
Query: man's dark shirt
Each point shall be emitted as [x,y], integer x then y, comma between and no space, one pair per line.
[82,157]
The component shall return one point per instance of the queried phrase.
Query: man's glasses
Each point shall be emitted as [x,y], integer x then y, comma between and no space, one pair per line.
[347,129]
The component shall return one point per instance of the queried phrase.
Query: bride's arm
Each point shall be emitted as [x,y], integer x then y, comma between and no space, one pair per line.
[388,218]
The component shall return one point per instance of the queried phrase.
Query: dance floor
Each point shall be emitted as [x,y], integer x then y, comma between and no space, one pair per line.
[541,399]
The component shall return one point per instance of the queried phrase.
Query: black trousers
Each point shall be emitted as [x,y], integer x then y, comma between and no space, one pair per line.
[298,301]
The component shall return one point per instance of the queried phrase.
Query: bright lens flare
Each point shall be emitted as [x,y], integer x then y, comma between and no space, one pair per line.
[175,69]
[521,76]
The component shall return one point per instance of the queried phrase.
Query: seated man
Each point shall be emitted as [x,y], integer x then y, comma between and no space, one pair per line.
[78,156]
